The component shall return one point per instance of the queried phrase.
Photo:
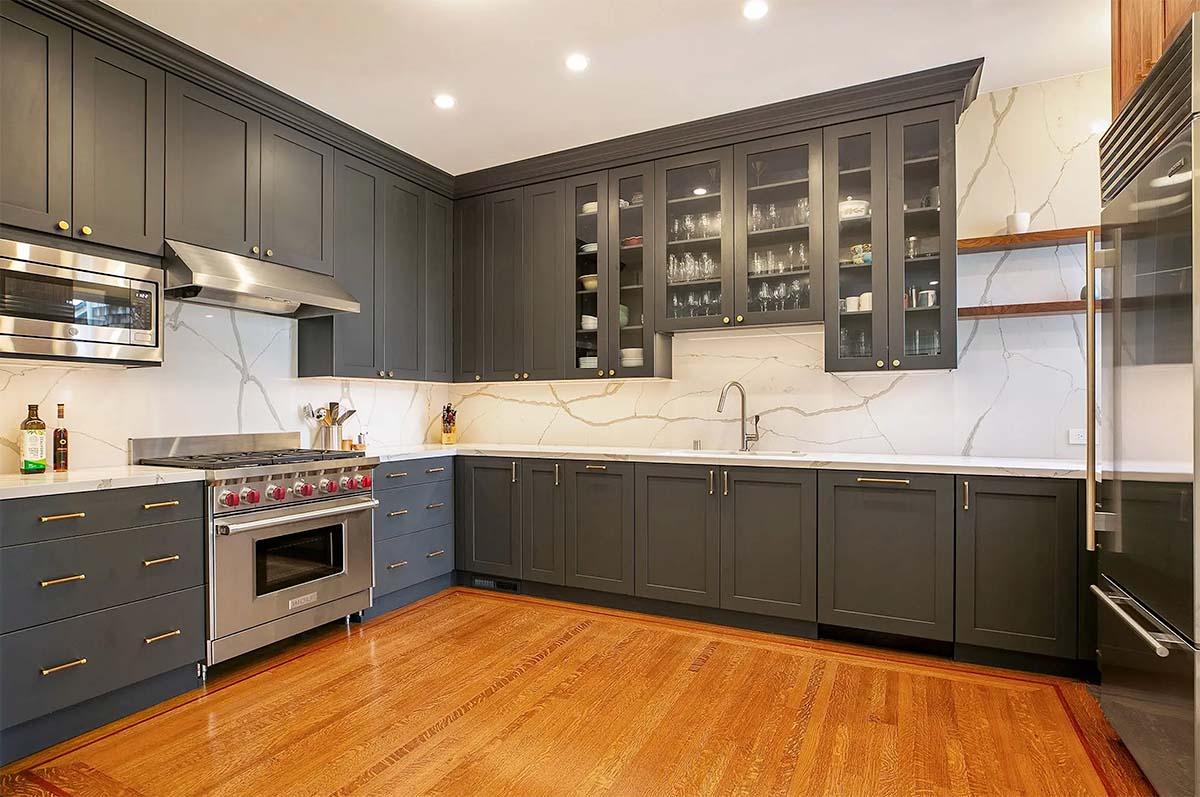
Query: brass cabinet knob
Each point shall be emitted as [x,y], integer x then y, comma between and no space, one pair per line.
[516,376]
[725,320]
[895,363]
[600,372]
[525,376]
[612,372]
[391,374]
[740,319]
[383,373]
[63,225]
[879,363]
[254,250]
[86,230]
[269,253]
[478,377]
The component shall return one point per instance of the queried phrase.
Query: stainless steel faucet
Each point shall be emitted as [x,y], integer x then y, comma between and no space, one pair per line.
[747,437]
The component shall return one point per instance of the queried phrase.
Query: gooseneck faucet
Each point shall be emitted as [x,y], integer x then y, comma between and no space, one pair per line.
[747,437]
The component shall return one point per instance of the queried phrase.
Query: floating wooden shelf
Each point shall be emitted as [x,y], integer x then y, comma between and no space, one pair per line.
[1030,309]
[1025,240]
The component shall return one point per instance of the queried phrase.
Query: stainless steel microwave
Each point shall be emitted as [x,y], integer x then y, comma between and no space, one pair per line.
[62,305]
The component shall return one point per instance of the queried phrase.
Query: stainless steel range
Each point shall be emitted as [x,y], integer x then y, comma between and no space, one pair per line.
[289,533]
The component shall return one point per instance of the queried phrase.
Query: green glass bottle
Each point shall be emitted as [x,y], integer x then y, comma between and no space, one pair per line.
[33,442]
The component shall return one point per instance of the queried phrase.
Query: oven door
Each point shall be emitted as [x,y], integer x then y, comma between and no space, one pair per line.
[272,563]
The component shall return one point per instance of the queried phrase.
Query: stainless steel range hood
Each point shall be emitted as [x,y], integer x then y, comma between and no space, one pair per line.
[211,277]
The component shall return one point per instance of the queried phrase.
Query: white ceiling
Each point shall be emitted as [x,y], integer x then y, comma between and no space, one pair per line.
[376,64]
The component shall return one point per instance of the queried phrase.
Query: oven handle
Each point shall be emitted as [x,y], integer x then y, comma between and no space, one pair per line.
[312,514]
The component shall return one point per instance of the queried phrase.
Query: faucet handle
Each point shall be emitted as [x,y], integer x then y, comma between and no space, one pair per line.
[753,435]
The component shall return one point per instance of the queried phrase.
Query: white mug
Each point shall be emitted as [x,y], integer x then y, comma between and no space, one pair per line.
[1018,222]
[852,304]
[864,301]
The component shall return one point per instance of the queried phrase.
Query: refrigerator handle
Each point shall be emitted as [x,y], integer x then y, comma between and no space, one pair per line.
[1090,377]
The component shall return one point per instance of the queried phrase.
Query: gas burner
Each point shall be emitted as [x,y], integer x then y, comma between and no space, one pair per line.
[250,459]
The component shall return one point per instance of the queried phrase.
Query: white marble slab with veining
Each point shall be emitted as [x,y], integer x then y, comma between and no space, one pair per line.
[83,480]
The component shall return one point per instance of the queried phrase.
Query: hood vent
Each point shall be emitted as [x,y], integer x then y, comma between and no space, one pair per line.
[210,277]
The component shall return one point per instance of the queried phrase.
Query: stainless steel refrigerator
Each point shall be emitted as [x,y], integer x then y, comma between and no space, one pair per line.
[1143,352]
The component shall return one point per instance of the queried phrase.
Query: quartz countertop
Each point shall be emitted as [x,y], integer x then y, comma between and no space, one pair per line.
[82,480]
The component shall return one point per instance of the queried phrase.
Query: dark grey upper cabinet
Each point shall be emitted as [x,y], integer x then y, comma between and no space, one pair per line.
[403,279]
[504,288]
[587,250]
[630,301]
[1016,569]
[769,542]
[35,124]
[599,530]
[439,217]
[297,199]
[543,276]
[678,533]
[886,553]
[212,170]
[488,516]
[468,289]
[543,552]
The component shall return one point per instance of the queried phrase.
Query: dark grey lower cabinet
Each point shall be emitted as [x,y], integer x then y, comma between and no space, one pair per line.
[678,533]
[543,553]
[488,517]
[599,527]
[886,553]
[1016,570]
[769,542]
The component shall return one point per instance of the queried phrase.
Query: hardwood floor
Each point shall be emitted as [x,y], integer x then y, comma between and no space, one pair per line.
[471,693]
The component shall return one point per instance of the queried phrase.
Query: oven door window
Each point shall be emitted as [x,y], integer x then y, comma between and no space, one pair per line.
[77,302]
[291,559]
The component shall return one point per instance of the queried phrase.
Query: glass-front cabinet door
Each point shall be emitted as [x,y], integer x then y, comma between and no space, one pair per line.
[694,248]
[591,284]
[922,245]
[777,252]
[856,263]
[631,238]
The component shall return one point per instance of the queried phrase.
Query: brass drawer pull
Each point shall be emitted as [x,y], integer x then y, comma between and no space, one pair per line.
[711,474]
[160,505]
[435,470]
[150,640]
[435,505]
[394,565]
[555,474]
[160,561]
[400,474]
[966,496]
[870,480]
[432,554]
[68,516]
[61,667]
[398,513]
[63,580]
[595,467]
[724,482]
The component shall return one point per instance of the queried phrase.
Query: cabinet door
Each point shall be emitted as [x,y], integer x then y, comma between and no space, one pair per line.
[488,516]
[543,557]
[1016,569]
[855,222]
[403,279]
[297,199]
[1176,13]
[777,251]
[630,272]
[439,213]
[504,291]
[694,248]
[468,289]
[35,125]
[118,161]
[769,542]
[886,553]
[212,170]
[599,526]
[678,533]
[1138,30]
[543,277]
[922,293]
[588,248]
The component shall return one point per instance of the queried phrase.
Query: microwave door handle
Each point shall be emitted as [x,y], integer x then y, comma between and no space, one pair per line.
[312,514]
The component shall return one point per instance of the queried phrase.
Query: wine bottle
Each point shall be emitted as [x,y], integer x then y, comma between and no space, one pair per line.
[60,440]
[33,442]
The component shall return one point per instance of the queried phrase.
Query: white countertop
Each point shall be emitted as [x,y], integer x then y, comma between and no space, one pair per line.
[82,480]
[900,463]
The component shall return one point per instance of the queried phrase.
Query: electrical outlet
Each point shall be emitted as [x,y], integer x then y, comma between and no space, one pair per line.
[1077,437]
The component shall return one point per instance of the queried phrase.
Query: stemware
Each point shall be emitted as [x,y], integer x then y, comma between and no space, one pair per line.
[705,225]
[772,216]
[756,217]
[689,226]
[764,296]
[676,307]
[780,294]
[693,303]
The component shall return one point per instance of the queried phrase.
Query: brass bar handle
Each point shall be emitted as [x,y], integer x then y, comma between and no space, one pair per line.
[51,582]
[160,561]
[394,565]
[724,482]
[398,512]
[433,554]
[712,474]
[150,640]
[435,470]
[555,474]
[160,505]
[1089,502]
[435,505]
[400,474]
[61,667]
[966,496]
[68,516]
[873,480]
[514,472]
[595,467]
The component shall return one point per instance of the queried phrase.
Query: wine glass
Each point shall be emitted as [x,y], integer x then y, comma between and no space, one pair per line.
[764,296]
[676,306]
[780,294]
[798,298]
[693,303]
[689,226]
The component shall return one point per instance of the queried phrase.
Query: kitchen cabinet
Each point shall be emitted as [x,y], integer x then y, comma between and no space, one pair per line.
[1016,557]
[885,550]
[403,289]
[504,288]
[35,127]
[439,242]
[591,289]
[678,533]
[543,521]
[488,516]
[1139,31]
[468,289]
[296,222]
[769,542]
[542,278]
[599,529]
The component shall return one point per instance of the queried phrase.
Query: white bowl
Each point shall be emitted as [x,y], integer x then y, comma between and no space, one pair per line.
[590,282]
[851,208]
[588,322]
[636,351]
[589,362]
[588,249]
[590,207]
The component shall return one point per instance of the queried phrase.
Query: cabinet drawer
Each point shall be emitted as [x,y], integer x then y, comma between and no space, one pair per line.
[46,581]
[403,561]
[40,673]
[409,509]
[413,471]
[52,517]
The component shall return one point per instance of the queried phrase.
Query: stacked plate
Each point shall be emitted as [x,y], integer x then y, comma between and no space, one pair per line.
[588,322]
[589,362]
[632,358]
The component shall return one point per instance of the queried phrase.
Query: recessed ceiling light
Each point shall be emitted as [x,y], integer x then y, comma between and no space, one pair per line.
[577,62]
[444,101]
[754,9]
[701,191]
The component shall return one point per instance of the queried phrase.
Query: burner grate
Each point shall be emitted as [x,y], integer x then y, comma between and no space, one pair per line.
[250,459]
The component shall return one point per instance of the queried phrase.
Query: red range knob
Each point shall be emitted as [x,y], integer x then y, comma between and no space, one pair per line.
[366,482]
[251,496]
[228,498]
[303,489]
[275,492]
[328,486]
[350,482]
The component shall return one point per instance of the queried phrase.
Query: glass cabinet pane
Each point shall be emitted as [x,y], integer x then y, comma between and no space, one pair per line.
[628,305]
[693,198]
[590,317]
[921,231]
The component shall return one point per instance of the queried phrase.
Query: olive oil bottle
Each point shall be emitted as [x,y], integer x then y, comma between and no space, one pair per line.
[60,440]
[33,442]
